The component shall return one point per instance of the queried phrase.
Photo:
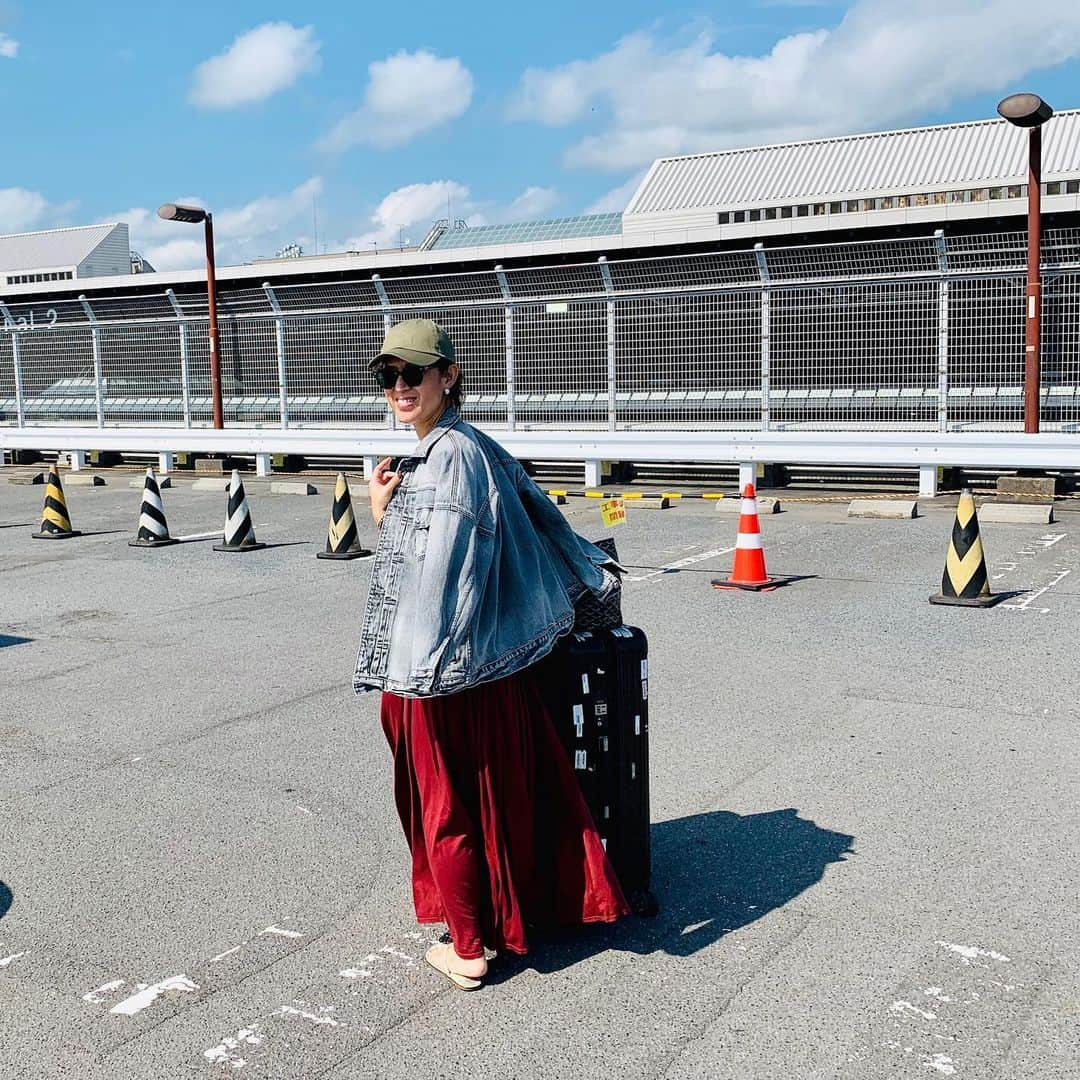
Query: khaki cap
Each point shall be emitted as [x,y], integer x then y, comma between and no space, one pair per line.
[416,341]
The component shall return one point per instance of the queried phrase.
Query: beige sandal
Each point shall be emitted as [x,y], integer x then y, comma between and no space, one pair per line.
[438,956]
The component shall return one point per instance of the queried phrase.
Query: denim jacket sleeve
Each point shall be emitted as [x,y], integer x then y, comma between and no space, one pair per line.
[581,558]
[459,549]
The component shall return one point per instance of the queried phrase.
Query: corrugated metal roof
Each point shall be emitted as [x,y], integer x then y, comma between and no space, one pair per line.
[51,247]
[964,155]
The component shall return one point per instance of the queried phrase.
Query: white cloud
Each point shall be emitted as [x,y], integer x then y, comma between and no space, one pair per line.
[240,233]
[9,47]
[533,202]
[883,64]
[618,198]
[267,214]
[409,212]
[407,94]
[21,209]
[413,207]
[174,254]
[258,64]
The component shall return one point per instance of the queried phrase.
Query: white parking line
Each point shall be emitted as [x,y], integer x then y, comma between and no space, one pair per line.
[1023,604]
[98,995]
[149,994]
[218,533]
[689,561]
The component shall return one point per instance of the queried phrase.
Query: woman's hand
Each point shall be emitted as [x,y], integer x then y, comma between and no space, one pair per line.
[381,488]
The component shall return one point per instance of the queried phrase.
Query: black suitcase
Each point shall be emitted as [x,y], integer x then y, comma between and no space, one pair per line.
[596,685]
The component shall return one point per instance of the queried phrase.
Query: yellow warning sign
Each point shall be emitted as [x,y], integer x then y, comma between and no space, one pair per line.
[613,512]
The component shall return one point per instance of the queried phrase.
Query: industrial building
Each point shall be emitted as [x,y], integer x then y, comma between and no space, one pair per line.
[872,281]
[59,255]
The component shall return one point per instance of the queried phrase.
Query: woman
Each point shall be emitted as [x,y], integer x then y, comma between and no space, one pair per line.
[474,579]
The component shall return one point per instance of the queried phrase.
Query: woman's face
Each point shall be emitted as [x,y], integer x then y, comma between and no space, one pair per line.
[420,406]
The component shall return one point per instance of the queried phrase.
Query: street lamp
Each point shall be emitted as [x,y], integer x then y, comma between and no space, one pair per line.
[1030,111]
[193,215]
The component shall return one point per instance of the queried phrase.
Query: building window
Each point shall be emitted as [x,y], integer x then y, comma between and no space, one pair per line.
[1053,188]
[996,193]
[921,200]
[785,211]
[957,196]
[819,209]
[29,279]
[977,195]
[903,201]
[738,215]
[802,211]
[836,208]
[1015,192]
[937,198]
[887,202]
[770,213]
[755,215]
[1072,187]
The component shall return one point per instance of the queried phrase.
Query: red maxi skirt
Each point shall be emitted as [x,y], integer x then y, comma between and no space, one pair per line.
[500,834]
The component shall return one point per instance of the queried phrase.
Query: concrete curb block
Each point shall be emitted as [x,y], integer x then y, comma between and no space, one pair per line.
[1016,513]
[82,480]
[733,505]
[292,487]
[899,509]
[37,478]
[648,504]
[1044,486]
[140,482]
[211,483]
[558,500]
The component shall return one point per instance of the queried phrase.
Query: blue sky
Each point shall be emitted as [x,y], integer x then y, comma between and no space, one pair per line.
[373,116]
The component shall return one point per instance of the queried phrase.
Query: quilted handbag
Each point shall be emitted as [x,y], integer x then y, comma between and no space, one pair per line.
[592,613]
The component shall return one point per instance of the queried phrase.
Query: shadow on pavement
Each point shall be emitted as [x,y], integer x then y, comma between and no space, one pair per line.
[5,899]
[712,873]
[12,639]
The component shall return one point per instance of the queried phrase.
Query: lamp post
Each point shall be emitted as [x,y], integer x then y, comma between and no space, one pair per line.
[1030,111]
[193,215]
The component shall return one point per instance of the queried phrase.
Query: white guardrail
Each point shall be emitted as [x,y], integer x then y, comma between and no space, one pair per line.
[883,449]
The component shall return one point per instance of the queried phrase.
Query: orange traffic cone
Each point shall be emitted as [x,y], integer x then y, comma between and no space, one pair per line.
[748,571]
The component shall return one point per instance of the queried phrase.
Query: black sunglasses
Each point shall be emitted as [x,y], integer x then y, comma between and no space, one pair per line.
[413,374]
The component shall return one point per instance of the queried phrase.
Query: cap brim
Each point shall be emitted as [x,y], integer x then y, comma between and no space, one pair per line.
[410,356]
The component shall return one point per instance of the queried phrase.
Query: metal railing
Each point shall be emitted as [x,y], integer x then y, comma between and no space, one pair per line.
[921,334]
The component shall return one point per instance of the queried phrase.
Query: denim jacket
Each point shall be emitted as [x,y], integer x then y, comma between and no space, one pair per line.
[475,572]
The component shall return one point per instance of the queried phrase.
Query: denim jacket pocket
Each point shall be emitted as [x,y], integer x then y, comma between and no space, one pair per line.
[422,508]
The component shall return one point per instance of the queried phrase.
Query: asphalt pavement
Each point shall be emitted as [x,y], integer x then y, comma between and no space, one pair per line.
[865,814]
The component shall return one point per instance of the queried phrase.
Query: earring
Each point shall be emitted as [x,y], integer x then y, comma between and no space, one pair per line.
[446,390]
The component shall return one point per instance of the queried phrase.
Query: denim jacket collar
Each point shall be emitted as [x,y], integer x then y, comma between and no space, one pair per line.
[446,421]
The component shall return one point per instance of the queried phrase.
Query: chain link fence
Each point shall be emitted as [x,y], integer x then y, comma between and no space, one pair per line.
[912,334]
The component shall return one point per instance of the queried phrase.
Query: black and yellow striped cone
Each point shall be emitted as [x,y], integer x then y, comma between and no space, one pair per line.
[964,582]
[239,532]
[153,529]
[341,539]
[55,523]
